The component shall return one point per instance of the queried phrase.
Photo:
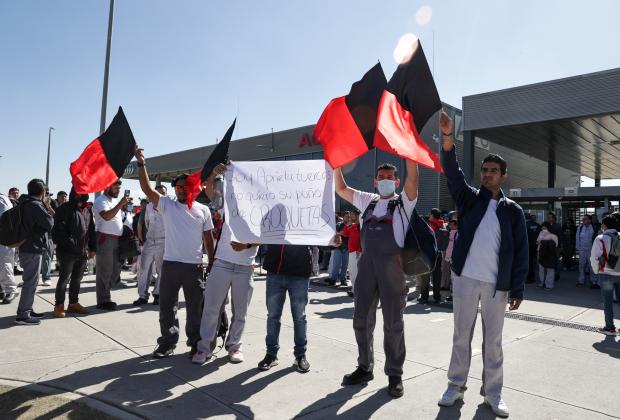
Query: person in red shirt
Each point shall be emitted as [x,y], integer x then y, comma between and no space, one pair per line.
[353,232]
[435,222]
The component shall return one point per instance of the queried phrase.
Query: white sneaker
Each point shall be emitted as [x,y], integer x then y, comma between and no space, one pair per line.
[200,358]
[235,356]
[498,406]
[47,282]
[451,396]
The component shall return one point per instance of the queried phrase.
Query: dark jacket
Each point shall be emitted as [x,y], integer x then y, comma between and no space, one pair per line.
[38,222]
[288,260]
[471,205]
[74,229]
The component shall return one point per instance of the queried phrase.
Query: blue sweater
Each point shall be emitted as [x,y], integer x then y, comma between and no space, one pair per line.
[471,205]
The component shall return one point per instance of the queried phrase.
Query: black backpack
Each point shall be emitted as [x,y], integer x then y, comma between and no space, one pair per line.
[547,254]
[13,232]
[613,253]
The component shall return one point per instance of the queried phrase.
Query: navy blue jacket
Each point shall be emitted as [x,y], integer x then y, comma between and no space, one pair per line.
[471,205]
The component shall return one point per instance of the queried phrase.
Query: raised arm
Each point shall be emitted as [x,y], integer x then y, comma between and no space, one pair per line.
[342,189]
[210,182]
[145,184]
[411,183]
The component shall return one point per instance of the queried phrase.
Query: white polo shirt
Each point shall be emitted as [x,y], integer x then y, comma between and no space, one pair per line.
[482,261]
[114,226]
[183,229]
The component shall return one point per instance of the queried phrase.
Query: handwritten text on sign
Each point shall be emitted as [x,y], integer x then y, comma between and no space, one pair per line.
[280,202]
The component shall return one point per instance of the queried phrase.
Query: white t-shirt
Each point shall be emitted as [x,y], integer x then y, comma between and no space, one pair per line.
[5,203]
[225,251]
[128,216]
[183,229]
[362,199]
[483,258]
[154,223]
[114,226]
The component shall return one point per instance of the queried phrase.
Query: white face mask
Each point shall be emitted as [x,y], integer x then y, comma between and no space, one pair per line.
[386,187]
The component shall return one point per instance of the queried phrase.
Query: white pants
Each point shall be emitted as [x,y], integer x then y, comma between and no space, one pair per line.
[353,258]
[7,259]
[585,269]
[225,276]
[151,260]
[546,277]
[467,294]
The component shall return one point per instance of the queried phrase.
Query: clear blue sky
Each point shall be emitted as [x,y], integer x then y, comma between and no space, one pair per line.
[182,70]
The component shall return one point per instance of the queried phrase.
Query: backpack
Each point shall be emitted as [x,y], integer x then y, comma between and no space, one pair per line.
[611,256]
[443,238]
[547,255]
[13,232]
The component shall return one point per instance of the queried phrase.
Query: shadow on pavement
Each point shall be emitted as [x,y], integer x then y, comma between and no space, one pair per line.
[609,346]
[365,409]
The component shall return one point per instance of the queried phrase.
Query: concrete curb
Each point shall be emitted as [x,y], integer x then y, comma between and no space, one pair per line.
[104,407]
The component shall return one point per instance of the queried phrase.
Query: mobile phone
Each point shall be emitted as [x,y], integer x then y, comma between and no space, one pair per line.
[127,193]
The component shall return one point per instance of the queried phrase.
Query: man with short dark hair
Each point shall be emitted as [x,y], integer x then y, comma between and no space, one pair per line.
[14,195]
[385,220]
[608,274]
[74,235]
[38,221]
[109,226]
[186,230]
[489,268]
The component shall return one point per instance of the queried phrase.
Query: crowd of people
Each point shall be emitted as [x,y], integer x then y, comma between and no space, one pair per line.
[485,248]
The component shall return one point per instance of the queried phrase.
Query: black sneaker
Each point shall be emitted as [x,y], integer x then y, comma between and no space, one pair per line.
[302,364]
[27,321]
[343,283]
[107,306]
[2,295]
[17,271]
[449,299]
[34,314]
[395,387]
[268,362]
[140,301]
[350,293]
[192,351]
[155,299]
[163,350]
[9,297]
[423,301]
[608,330]
[359,376]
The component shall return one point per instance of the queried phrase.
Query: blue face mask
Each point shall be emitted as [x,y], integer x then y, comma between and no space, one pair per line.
[386,187]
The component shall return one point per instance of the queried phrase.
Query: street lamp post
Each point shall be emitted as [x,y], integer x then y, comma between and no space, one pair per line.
[47,167]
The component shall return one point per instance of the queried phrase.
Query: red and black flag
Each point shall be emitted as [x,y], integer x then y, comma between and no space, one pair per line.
[347,126]
[407,103]
[218,155]
[104,160]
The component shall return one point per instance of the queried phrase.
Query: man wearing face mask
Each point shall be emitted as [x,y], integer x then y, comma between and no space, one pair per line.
[76,241]
[109,226]
[380,275]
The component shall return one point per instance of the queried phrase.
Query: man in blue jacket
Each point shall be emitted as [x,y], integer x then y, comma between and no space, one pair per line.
[489,266]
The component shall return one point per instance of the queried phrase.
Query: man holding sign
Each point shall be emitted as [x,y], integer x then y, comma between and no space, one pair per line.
[385,220]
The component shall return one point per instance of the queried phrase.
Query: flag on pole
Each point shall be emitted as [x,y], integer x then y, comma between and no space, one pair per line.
[104,160]
[406,105]
[219,155]
[347,126]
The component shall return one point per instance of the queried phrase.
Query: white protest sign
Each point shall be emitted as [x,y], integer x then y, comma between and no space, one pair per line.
[280,202]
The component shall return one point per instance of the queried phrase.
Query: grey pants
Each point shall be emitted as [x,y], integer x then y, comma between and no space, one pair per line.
[151,260]
[174,276]
[380,279]
[31,264]
[7,280]
[224,276]
[467,294]
[108,267]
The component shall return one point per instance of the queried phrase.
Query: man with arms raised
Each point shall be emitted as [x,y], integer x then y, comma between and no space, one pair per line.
[185,231]
[380,275]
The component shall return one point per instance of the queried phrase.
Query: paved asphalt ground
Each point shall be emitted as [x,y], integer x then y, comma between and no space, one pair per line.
[555,365]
